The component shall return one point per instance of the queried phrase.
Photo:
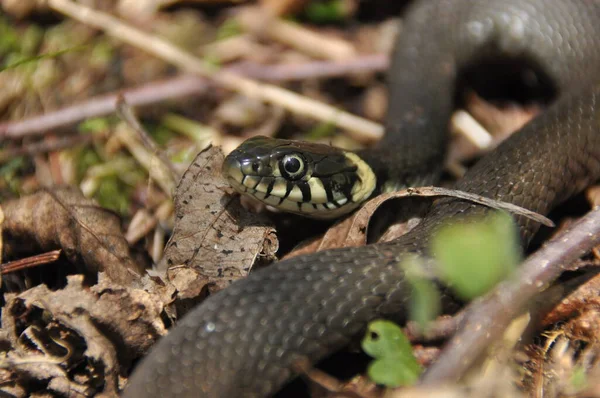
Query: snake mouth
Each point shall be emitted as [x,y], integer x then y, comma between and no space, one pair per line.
[289,177]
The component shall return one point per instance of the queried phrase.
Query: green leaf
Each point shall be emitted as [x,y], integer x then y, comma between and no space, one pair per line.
[474,255]
[94,125]
[326,11]
[9,38]
[321,130]
[578,379]
[192,129]
[113,194]
[229,28]
[9,173]
[394,364]
[392,372]
[425,297]
[424,302]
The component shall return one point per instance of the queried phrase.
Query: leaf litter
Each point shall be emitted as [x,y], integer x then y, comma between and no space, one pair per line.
[71,339]
[54,336]
[214,241]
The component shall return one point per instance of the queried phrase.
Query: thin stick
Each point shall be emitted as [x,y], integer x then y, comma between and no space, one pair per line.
[44,146]
[147,94]
[293,35]
[313,69]
[186,85]
[359,128]
[126,113]
[30,262]
[487,319]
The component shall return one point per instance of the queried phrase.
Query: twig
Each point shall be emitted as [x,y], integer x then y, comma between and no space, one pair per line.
[312,69]
[304,40]
[466,125]
[147,94]
[185,85]
[361,129]
[487,319]
[30,262]
[441,328]
[126,113]
[157,170]
[44,146]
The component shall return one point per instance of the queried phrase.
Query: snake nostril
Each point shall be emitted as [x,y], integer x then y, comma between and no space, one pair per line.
[255,166]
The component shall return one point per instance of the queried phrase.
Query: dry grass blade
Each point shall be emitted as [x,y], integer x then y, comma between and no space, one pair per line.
[317,45]
[126,113]
[361,129]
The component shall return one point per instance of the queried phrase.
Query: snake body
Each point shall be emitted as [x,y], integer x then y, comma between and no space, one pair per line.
[243,341]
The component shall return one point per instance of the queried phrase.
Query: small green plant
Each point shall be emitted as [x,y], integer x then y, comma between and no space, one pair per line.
[578,379]
[321,130]
[474,255]
[394,364]
[471,256]
[330,11]
[424,305]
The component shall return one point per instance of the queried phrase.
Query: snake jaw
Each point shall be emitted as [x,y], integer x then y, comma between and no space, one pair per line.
[364,187]
[324,182]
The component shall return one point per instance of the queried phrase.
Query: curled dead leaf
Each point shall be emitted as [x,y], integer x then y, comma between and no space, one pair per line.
[73,340]
[352,231]
[62,218]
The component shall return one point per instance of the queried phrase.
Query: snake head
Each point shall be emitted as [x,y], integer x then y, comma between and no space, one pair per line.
[313,180]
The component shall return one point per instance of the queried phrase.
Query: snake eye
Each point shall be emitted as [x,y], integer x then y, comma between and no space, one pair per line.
[292,166]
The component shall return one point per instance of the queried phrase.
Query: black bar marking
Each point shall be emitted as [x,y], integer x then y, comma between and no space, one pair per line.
[270,188]
[328,188]
[305,189]
[288,188]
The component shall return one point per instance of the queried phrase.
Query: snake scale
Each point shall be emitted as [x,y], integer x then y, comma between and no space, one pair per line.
[243,341]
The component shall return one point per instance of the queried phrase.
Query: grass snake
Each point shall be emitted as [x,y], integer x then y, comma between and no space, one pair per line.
[243,341]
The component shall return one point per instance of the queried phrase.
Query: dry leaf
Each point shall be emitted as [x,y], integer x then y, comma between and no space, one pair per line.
[215,241]
[352,231]
[62,218]
[74,340]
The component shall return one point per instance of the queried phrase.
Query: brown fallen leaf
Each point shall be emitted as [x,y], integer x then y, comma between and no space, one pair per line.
[62,218]
[215,241]
[352,231]
[73,340]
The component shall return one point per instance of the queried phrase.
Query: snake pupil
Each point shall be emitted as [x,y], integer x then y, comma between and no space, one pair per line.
[292,165]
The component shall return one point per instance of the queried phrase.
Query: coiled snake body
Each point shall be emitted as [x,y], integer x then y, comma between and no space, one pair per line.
[243,341]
